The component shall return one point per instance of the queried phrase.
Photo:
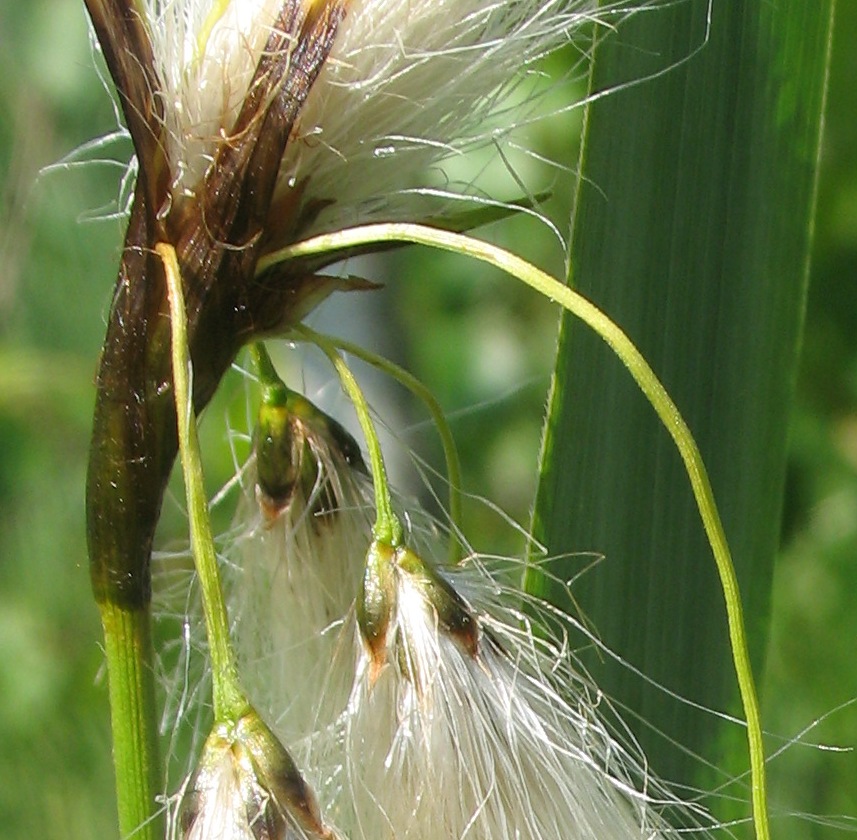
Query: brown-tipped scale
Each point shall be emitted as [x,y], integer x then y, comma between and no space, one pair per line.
[247,787]
[376,604]
[454,616]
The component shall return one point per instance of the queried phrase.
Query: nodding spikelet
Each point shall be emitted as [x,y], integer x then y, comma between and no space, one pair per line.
[303,524]
[422,697]
[302,458]
[484,732]
[394,574]
[431,701]
[246,787]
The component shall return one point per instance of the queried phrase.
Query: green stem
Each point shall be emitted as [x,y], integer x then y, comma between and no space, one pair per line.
[230,702]
[653,390]
[128,651]
[387,528]
[274,389]
[409,381]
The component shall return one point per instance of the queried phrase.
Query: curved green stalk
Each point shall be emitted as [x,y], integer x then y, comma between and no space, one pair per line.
[653,390]
[229,700]
[387,528]
[447,440]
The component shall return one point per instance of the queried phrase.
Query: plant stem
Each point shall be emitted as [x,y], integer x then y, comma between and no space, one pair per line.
[409,381]
[656,394]
[128,651]
[230,702]
[387,528]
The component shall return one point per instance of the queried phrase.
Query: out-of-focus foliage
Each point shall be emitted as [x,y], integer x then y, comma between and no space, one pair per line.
[811,666]
[55,279]
[484,346]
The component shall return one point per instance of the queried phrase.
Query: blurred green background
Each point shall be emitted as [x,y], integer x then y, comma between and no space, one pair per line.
[482,344]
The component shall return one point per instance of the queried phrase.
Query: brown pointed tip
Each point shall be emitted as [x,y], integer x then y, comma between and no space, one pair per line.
[468,637]
[270,508]
[375,645]
[375,668]
[377,663]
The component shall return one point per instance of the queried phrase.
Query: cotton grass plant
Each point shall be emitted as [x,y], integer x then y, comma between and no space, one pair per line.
[361,686]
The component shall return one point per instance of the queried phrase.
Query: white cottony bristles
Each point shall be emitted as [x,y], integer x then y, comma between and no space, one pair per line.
[298,569]
[412,81]
[206,53]
[445,743]
[461,722]
[421,701]
[407,82]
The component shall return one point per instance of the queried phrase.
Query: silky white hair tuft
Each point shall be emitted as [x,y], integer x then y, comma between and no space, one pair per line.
[508,742]
[407,83]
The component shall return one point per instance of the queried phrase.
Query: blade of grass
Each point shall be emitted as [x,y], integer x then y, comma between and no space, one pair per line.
[691,230]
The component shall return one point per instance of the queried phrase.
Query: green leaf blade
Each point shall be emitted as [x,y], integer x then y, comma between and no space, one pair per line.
[692,230]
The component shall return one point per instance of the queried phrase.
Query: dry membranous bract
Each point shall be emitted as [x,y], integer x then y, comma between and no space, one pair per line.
[415,696]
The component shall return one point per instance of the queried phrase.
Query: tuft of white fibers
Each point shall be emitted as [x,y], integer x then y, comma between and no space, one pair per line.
[205,54]
[407,83]
[504,742]
[464,717]
[291,583]
[489,734]
[484,732]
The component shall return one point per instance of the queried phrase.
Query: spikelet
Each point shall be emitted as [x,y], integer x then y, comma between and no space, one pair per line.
[246,787]
[477,728]
[298,562]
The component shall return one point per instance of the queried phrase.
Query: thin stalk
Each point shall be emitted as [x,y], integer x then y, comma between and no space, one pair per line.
[274,389]
[654,392]
[387,528]
[447,441]
[128,651]
[230,702]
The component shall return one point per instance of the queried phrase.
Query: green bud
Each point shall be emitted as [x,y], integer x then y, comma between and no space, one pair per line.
[376,603]
[300,449]
[279,455]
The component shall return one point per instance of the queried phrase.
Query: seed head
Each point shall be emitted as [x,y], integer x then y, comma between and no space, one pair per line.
[382,89]
[246,787]
[303,524]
